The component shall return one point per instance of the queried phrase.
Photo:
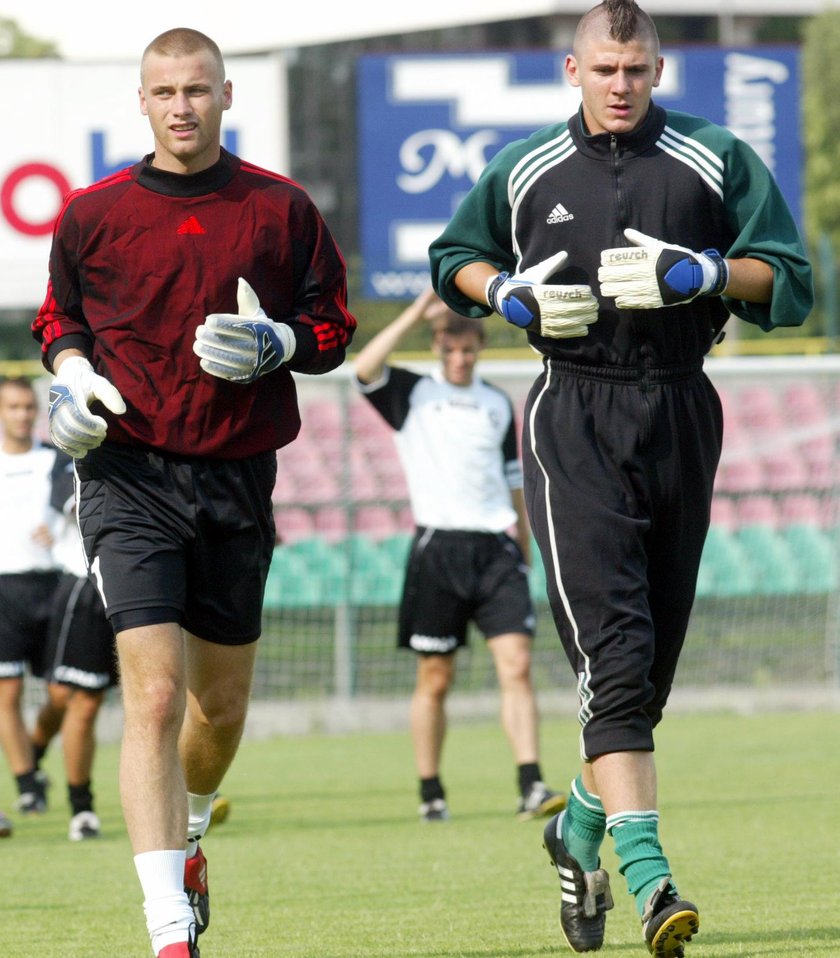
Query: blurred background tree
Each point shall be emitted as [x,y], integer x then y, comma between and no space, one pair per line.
[15,43]
[821,141]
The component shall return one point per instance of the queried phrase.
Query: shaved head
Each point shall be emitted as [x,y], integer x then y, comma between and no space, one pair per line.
[183,42]
[620,20]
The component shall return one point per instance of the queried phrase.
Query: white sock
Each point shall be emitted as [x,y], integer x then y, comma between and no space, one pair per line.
[168,912]
[200,809]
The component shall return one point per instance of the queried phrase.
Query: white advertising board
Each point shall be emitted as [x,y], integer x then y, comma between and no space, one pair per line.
[69,125]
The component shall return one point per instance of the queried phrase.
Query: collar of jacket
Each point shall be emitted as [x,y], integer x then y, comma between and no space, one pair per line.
[599,145]
[186,184]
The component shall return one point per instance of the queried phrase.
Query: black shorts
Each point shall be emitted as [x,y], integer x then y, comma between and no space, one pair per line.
[80,651]
[25,605]
[174,539]
[454,577]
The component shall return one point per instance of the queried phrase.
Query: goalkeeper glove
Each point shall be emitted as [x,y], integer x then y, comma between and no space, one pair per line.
[524,300]
[651,274]
[73,427]
[242,347]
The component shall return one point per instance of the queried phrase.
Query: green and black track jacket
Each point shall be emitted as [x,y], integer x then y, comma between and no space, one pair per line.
[678,178]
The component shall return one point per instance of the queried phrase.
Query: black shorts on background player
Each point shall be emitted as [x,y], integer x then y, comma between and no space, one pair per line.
[80,650]
[26,600]
[454,577]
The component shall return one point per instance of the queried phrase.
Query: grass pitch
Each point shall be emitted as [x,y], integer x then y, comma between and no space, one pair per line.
[323,857]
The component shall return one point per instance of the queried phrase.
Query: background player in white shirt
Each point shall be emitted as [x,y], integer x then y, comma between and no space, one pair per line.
[28,577]
[79,660]
[456,437]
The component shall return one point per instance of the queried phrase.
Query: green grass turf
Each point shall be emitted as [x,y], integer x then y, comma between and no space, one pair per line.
[322,856]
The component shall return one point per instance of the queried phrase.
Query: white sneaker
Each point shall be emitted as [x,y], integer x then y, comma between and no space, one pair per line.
[434,811]
[540,802]
[84,825]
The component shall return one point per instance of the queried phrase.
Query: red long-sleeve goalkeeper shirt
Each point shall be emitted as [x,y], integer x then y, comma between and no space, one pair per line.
[139,259]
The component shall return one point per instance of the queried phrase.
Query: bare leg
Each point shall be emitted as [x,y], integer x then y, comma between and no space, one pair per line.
[218,687]
[428,713]
[51,714]
[14,738]
[520,721]
[154,796]
[78,735]
[625,781]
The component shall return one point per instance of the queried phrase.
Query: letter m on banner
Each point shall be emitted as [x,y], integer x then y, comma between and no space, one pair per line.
[428,124]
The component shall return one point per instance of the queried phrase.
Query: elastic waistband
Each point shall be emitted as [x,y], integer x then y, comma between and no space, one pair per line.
[458,533]
[626,374]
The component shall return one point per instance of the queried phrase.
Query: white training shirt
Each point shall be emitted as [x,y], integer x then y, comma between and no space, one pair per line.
[24,505]
[68,553]
[457,445]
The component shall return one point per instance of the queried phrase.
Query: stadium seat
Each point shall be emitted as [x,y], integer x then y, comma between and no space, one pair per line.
[323,418]
[801,509]
[758,408]
[378,522]
[396,547]
[757,510]
[290,584]
[724,513]
[724,568]
[771,558]
[405,519]
[740,474]
[784,470]
[536,575]
[331,522]
[804,403]
[816,558]
[294,523]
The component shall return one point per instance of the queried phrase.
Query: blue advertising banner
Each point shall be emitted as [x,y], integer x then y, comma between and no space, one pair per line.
[429,123]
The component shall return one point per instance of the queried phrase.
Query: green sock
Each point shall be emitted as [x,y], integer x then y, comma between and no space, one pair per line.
[583,826]
[642,861]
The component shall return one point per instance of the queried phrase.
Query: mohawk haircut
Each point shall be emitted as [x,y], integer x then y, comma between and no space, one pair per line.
[625,21]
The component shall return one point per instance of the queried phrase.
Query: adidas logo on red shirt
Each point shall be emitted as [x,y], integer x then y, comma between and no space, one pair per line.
[190,225]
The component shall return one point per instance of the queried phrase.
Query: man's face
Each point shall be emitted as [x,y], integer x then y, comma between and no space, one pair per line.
[616,81]
[458,356]
[18,412]
[184,99]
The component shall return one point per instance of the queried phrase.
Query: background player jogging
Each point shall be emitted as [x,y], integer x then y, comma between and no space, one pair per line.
[673,223]
[456,436]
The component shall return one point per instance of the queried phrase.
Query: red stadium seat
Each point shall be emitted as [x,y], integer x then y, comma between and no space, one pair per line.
[758,511]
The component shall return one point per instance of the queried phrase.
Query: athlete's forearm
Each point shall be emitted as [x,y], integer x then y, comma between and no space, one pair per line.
[750,280]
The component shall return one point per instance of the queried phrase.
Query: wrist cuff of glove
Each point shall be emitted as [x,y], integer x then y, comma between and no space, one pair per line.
[492,287]
[721,280]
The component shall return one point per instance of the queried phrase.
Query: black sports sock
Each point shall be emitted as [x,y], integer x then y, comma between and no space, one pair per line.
[430,789]
[81,798]
[28,782]
[528,774]
[38,751]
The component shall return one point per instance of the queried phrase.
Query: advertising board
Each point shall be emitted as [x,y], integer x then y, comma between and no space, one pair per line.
[69,125]
[428,124]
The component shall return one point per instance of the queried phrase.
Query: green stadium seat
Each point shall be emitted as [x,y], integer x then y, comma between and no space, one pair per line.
[772,560]
[326,564]
[536,576]
[816,558]
[397,547]
[289,583]
[724,569]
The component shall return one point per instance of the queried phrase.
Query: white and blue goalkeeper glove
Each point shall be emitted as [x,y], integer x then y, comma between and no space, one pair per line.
[651,274]
[241,347]
[73,427]
[524,299]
